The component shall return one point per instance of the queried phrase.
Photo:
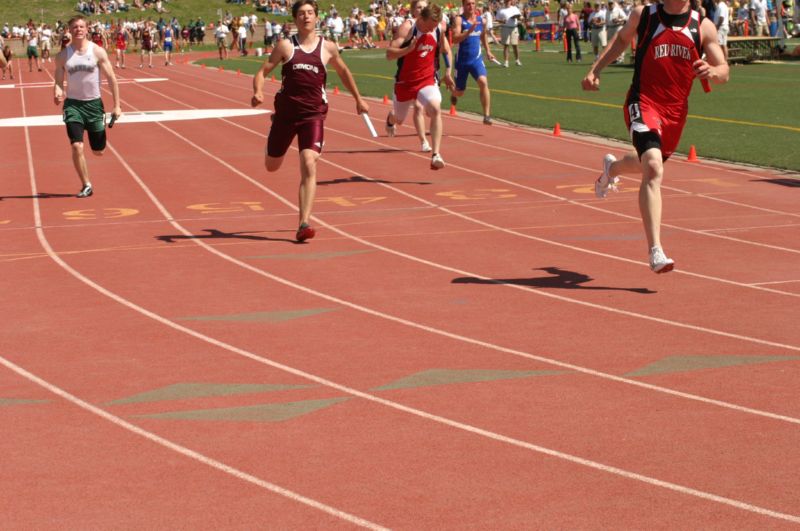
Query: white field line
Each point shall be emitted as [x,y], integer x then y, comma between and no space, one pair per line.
[350,391]
[127,425]
[354,392]
[503,229]
[430,329]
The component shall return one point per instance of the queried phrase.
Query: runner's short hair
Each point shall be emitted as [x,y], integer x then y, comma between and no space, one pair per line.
[300,3]
[76,18]
[431,12]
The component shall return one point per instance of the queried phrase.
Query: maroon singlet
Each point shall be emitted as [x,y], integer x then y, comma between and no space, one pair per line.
[302,93]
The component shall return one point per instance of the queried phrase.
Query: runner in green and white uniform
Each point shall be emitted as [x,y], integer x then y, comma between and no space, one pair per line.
[33,49]
[82,61]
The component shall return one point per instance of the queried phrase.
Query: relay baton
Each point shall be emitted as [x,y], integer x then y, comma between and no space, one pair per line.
[371,127]
[704,82]
[495,61]
[113,119]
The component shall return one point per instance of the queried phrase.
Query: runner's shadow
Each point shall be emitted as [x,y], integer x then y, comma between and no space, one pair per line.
[378,150]
[791,183]
[37,196]
[561,279]
[360,179]
[218,234]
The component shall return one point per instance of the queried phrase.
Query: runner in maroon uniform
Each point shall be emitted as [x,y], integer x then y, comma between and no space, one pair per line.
[671,38]
[147,47]
[301,104]
[417,49]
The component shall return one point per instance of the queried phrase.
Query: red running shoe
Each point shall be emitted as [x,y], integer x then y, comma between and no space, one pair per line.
[305,232]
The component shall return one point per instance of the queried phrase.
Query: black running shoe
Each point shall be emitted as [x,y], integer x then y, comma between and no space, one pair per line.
[86,191]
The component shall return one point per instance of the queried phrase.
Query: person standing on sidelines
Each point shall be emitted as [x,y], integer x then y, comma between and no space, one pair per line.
[219,35]
[722,18]
[417,51]
[671,38]
[301,104]
[571,29]
[509,33]
[488,21]
[46,43]
[597,21]
[470,33]
[615,19]
[81,62]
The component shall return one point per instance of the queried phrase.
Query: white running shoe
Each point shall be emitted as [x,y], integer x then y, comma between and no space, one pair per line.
[390,129]
[505,64]
[437,162]
[605,183]
[659,262]
[519,63]
[426,148]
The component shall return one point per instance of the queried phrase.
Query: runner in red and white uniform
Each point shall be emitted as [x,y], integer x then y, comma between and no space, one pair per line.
[417,49]
[671,39]
[121,44]
[301,104]
[98,36]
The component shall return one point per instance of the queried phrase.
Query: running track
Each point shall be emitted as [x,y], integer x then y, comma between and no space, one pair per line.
[480,347]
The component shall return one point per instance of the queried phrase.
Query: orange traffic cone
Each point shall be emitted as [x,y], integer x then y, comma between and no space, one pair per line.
[557,130]
[385,99]
[692,155]
[273,78]
[238,72]
[221,68]
[452,110]
[204,65]
[336,89]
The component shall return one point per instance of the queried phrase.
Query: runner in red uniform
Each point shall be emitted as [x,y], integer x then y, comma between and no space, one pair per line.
[121,40]
[671,38]
[98,36]
[301,104]
[417,50]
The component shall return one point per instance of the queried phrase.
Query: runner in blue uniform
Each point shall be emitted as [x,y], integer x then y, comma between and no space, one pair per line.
[470,33]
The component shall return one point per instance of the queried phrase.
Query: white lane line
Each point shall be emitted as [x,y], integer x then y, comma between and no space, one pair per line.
[744,229]
[366,396]
[127,425]
[420,326]
[777,282]
[495,227]
[191,454]
[322,381]
[528,131]
[137,117]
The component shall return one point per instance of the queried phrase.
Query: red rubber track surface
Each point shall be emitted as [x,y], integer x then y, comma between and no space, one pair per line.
[482,346]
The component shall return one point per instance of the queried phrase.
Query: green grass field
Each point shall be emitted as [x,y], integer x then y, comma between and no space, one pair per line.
[19,11]
[754,119]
